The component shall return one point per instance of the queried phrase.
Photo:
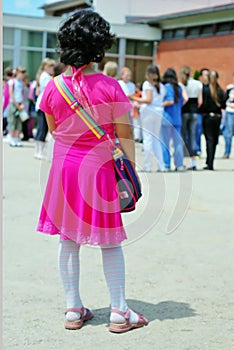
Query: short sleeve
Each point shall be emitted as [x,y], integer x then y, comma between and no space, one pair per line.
[45,104]
[121,104]
[147,86]
[169,96]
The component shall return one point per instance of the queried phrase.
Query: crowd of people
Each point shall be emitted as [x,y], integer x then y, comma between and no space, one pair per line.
[165,109]
[179,109]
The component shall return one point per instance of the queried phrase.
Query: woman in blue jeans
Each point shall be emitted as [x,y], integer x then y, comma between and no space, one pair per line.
[229,119]
[172,121]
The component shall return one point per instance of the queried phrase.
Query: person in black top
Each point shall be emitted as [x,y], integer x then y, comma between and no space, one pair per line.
[211,109]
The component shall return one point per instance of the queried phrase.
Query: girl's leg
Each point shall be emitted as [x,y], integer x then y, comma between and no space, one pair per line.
[157,144]
[166,135]
[147,139]
[114,271]
[69,268]
[228,133]
[178,146]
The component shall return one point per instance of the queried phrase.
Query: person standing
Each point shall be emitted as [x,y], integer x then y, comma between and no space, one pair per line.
[213,102]
[81,202]
[190,113]
[229,119]
[151,111]
[44,75]
[129,89]
[111,69]
[204,79]
[8,74]
[172,120]
[17,105]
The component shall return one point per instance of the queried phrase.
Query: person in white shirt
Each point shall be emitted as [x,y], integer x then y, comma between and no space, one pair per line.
[190,112]
[153,92]
[129,89]
[44,75]
[17,105]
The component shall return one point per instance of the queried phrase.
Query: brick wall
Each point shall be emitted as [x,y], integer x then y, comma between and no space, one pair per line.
[214,52]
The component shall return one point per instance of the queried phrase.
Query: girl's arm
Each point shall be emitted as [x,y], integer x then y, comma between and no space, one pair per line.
[12,98]
[168,103]
[50,122]
[147,99]
[200,99]
[124,134]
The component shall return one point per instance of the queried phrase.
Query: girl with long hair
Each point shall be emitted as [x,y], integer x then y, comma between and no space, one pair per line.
[151,111]
[44,74]
[172,120]
[213,102]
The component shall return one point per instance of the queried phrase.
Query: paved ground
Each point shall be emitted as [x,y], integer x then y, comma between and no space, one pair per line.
[179,263]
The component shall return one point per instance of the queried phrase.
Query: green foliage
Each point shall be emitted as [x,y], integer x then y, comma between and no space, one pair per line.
[196,74]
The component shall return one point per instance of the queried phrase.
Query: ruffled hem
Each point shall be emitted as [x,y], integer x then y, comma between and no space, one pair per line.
[106,237]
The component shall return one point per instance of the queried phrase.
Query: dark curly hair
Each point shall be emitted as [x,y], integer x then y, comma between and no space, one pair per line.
[83,38]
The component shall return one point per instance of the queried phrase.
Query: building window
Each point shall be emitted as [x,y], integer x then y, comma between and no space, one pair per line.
[139,48]
[179,33]
[224,27]
[8,36]
[193,31]
[52,54]
[138,69]
[207,30]
[115,48]
[167,34]
[31,60]
[30,38]
[7,58]
[51,41]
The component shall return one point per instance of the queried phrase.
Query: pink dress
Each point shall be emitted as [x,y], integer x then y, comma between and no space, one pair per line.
[81,200]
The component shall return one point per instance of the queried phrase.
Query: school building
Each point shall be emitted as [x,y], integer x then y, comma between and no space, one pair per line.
[169,33]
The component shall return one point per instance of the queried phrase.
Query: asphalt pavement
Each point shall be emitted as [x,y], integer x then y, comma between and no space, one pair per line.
[179,262]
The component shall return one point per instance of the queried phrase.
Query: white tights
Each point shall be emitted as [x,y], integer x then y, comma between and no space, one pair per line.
[114,271]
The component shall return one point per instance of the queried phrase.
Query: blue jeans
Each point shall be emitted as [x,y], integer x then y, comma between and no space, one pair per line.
[228,132]
[199,132]
[169,132]
[42,127]
[189,130]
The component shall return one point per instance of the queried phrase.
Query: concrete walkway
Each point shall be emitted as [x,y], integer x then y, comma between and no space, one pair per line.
[179,263]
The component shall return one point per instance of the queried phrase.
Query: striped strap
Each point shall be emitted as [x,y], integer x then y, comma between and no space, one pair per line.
[76,106]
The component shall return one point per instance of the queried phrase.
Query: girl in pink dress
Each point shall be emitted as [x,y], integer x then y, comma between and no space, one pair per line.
[81,201]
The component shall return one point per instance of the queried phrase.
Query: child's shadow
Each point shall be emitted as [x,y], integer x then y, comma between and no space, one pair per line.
[165,310]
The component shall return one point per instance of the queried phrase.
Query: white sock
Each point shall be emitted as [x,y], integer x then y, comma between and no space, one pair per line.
[114,271]
[69,267]
[194,162]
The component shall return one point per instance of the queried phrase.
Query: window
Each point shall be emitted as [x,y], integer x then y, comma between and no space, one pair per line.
[167,34]
[138,69]
[207,30]
[224,27]
[51,41]
[144,48]
[31,60]
[139,48]
[179,33]
[8,36]
[30,38]
[114,48]
[53,55]
[193,31]
[7,58]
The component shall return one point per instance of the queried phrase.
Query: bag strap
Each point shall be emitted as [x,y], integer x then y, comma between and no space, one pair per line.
[64,90]
[97,130]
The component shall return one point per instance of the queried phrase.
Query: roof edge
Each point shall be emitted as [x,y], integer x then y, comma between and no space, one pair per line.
[150,20]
